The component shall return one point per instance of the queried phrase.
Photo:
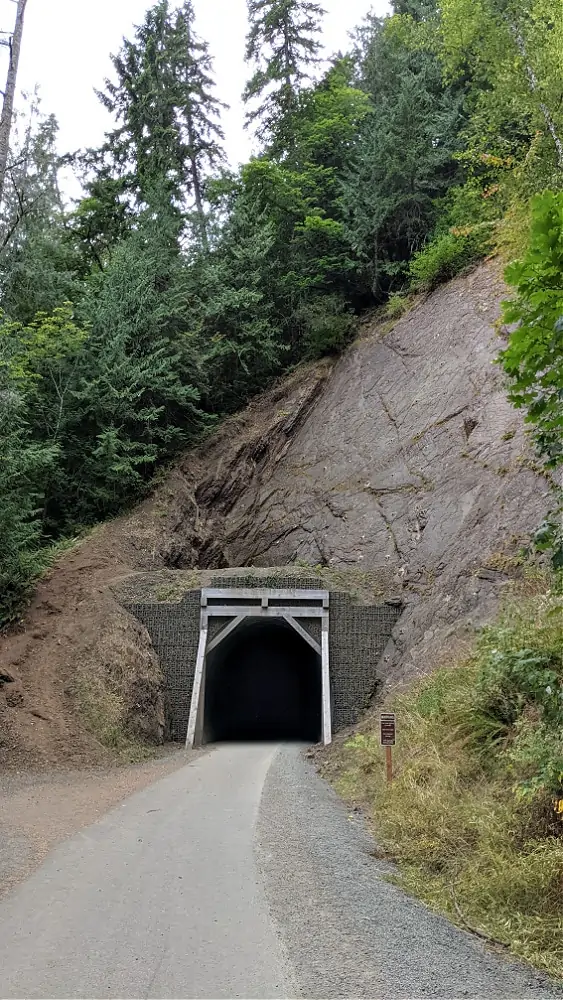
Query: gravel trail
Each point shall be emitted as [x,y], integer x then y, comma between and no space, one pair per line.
[238,875]
[159,899]
[348,932]
[39,809]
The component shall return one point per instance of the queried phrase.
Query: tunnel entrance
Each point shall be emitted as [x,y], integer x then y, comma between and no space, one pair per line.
[263,683]
[262,668]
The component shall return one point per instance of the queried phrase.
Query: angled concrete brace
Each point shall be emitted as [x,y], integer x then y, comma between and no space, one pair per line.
[303,633]
[225,632]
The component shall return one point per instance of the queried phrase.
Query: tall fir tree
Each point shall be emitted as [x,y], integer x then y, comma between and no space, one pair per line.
[169,135]
[282,45]
[405,162]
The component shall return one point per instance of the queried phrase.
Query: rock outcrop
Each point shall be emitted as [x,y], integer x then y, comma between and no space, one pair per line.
[412,463]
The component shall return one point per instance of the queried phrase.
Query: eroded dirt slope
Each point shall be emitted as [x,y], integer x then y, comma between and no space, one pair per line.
[78,675]
[404,459]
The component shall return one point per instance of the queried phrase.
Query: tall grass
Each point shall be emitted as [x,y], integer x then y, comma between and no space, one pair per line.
[470,814]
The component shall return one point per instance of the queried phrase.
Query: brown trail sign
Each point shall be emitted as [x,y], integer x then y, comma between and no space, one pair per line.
[388,738]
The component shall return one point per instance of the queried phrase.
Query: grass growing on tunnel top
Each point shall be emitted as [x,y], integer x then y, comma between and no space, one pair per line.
[470,816]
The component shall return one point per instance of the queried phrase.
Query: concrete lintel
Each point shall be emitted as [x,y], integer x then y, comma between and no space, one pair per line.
[258,593]
[257,611]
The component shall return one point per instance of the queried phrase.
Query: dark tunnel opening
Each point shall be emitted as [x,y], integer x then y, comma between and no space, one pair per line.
[263,683]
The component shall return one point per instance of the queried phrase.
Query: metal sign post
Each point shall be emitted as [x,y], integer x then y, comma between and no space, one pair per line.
[388,738]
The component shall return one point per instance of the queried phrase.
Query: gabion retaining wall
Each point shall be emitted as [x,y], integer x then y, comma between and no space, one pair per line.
[358,636]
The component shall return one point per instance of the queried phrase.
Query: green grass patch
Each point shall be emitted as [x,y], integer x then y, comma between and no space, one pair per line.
[470,816]
[448,254]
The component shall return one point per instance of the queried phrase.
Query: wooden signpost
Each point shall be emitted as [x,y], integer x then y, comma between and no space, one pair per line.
[388,738]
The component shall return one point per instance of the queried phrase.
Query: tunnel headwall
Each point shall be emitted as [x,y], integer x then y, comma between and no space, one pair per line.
[358,635]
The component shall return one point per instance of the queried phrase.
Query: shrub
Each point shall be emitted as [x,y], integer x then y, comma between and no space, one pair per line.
[327,326]
[448,254]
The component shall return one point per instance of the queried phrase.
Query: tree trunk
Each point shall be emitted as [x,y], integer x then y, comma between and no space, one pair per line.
[199,201]
[196,182]
[288,65]
[534,87]
[9,94]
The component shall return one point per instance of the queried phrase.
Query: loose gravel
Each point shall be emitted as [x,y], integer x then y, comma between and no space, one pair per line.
[348,932]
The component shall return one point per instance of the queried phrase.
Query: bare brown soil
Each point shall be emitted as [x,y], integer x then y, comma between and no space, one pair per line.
[78,676]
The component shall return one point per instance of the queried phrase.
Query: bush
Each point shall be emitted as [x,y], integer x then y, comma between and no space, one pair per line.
[24,466]
[533,359]
[520,683]
[448,254]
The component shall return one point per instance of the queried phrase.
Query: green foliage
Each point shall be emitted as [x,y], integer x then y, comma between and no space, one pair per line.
[38,265]
[136,394]
[282,45]
[520,684]
[513,50]
[405,162]
[515,678]
[479,762]
[168,134]
[193,286]
[533,359]
[327,325]
[24,466]
[448,254]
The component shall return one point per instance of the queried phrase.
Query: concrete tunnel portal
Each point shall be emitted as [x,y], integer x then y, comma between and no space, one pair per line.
[263,683]
[261,674]
[264,657]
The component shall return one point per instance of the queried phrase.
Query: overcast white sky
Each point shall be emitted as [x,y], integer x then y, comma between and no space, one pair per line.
[67,44]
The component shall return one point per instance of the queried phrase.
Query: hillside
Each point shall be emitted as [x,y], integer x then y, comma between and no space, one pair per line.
[404,461]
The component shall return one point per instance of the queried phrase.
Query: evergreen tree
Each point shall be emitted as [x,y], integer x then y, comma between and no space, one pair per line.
[24,465]
[137,386]
[38,266]
[282,44]
[169,136]
[404,163]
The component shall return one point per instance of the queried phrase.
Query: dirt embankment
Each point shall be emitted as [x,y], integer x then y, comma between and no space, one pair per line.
[404,459]
[78,676]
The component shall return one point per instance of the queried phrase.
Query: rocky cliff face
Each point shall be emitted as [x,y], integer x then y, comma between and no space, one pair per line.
[412,462]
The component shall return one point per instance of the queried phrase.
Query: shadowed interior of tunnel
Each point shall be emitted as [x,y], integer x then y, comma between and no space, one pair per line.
[263,683]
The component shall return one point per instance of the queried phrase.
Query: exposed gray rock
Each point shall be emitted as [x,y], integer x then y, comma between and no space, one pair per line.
[412,462]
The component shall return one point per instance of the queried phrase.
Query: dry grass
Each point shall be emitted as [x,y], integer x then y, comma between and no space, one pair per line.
[467,839]
[119,691]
